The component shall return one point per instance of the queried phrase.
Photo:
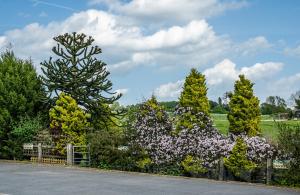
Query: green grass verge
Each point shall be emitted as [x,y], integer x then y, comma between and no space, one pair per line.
[269,128]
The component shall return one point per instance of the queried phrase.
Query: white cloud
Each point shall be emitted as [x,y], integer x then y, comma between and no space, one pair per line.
[221,77]
[169,11]
[262,70]
[254,45]
[122,91]
[226,71]
[124,45]
[293,51]
[169,90]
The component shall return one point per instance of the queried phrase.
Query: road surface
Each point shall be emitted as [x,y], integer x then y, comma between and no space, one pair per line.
[25,178]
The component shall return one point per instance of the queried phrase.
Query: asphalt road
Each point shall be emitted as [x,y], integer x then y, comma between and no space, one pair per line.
[21,178]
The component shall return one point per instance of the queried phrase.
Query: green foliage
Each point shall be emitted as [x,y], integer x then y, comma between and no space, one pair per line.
[27,129]
[237,162]
[274,105]
[244,114]
[69,121]
[106,152]
[194,92]
[193,97]
[193,165]
[169,106]
[144,163]
[21,95]
[289,143]
[78,72]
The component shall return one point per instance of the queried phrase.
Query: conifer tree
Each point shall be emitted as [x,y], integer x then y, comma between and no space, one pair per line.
[194,101]
[194,94]
[68,121]
[77,72]
[244,114]
[21,95]
[237,162]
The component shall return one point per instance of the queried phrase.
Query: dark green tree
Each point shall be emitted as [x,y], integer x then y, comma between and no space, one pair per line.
[244,114]
[21,95]
[194,94]
[273,105]
[77,72]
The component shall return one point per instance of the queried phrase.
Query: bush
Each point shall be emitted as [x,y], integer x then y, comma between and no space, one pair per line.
[193,165]
[27,129]
[289,143]
[237,162]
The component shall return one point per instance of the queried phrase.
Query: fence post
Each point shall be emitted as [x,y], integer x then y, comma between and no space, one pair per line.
[69,154]
[40,153]
[221,169]
[269,171]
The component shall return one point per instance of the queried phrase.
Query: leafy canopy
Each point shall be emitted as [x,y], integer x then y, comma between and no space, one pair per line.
[21,95]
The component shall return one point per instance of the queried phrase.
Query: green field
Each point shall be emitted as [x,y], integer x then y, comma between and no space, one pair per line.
[268,126]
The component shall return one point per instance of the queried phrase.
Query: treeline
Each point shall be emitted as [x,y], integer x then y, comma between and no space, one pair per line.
[272,106]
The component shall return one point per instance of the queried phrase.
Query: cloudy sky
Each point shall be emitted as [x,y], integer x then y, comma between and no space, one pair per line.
[150,46]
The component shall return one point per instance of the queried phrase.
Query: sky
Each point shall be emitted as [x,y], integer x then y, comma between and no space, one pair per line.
[150,46]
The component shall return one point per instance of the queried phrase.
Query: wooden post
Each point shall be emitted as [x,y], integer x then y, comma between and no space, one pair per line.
[221,169]
[40,153]
[69,154]
[269,171]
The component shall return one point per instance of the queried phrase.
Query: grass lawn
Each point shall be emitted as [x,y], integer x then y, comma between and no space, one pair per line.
[268,126]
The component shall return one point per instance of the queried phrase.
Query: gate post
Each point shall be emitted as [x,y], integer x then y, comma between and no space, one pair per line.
[269,171]
[69,154]
[40,153]
[221,169]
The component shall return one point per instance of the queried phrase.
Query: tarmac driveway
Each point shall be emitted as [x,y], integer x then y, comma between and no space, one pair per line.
[24,178]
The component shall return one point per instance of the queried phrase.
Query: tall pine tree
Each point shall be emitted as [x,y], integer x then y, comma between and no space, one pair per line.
[244,114]
[77,72]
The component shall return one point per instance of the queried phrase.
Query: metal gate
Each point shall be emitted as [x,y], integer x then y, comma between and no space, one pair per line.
[81,156]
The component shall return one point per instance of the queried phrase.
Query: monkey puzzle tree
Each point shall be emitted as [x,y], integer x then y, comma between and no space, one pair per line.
[77,72]
[244,114]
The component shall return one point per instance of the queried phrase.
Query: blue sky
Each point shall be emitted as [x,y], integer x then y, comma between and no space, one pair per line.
[150,46]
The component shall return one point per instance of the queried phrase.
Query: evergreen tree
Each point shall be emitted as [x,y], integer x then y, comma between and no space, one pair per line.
[244,114]
[194,93]
[78,72]
[237,162]
[193,100]
[68,121]
[21,95]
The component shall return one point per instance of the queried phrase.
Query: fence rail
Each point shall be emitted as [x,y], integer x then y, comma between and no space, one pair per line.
[75,155]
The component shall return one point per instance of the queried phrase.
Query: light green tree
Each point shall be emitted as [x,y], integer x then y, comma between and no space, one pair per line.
[194,94]
[194,99]
[237,162]
[244,114]
[69,121]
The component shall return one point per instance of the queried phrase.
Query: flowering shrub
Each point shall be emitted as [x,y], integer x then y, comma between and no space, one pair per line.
[155,134]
